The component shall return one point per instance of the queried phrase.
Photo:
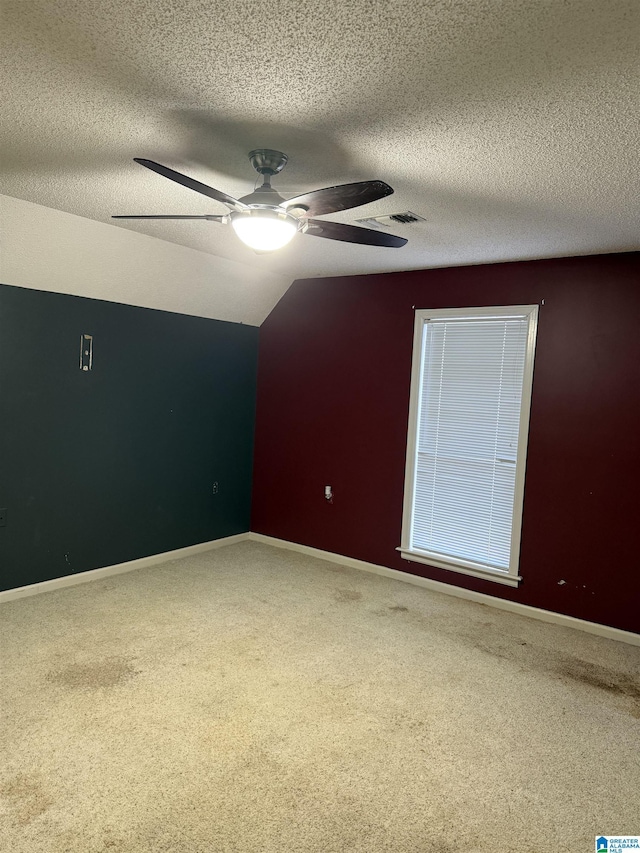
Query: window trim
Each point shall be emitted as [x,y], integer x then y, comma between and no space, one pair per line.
[510,576]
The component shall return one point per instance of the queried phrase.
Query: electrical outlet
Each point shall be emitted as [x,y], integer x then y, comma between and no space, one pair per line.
[3,517]
[214,488]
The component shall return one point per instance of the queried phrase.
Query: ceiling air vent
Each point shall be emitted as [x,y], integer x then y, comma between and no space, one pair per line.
[391,220]
[406,218]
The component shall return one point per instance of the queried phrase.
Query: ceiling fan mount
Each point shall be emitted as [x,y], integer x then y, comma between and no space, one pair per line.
[267,161]
[266,221]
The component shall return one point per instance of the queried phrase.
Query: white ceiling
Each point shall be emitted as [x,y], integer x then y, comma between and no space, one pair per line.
[510,125]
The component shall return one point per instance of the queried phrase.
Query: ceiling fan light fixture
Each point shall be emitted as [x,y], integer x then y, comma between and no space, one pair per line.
[265,221]
[264,229]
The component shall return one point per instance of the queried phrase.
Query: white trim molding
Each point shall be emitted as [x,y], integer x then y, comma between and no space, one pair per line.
[448,589]
[118,569]
[457,591]
[460,550]
[461,567]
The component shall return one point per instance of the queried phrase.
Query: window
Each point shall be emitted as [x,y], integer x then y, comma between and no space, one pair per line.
[466,449]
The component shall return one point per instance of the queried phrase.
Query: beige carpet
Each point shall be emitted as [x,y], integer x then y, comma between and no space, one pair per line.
[258,701]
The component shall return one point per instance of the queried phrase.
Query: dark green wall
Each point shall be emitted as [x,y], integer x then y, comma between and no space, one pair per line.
[103,467]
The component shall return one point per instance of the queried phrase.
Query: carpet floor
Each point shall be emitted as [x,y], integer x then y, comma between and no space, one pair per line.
[255,700]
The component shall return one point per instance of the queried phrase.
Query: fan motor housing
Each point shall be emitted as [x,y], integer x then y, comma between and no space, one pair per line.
[264,195]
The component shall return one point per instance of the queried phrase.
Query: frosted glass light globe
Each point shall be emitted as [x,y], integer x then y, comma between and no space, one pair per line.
[264,229]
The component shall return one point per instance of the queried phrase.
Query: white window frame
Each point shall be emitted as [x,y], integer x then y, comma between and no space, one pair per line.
[509,576]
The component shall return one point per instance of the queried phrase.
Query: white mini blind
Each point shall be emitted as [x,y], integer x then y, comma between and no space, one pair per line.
[468,424]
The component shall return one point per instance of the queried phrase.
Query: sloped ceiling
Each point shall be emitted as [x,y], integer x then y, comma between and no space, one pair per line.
[511,126]
[46,249]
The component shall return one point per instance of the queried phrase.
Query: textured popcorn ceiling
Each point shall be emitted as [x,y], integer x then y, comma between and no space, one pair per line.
[510,125]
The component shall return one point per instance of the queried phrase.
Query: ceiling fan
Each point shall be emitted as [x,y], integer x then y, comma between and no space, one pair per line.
[265,221]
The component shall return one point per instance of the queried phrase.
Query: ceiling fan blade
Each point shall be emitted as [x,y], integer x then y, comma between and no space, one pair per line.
[353,234]
[209,218]
[191,183]
[342,197]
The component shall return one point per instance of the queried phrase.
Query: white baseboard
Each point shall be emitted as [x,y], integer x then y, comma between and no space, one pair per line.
[405,577]
[120,568]
[457,591]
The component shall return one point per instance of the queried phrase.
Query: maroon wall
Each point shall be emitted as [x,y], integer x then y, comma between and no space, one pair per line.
[333,396]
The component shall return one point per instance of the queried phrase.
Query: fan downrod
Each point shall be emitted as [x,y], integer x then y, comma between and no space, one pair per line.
[266,161]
